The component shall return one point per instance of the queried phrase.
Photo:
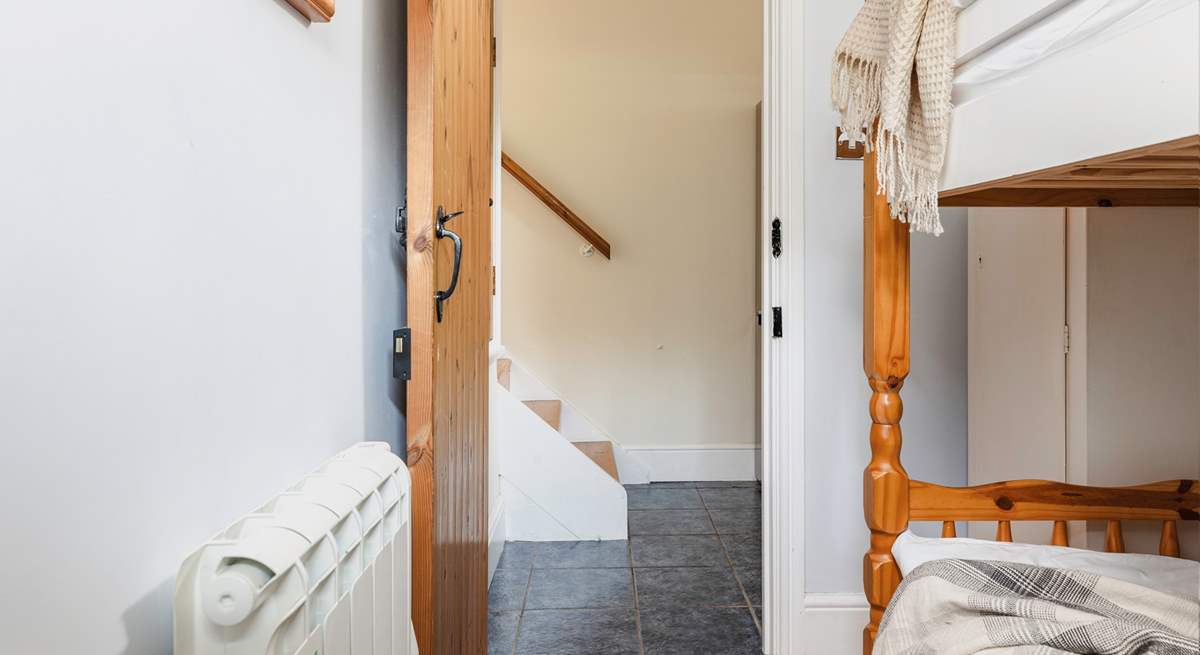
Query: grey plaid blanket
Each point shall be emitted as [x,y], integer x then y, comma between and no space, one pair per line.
[952,607]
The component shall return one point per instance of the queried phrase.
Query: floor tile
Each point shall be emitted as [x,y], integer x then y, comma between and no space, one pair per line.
[677,550]
[578,632]
[692,586]
[507,591]
[745,549]
[751,579]
[669,521]
[731,498]
[517,555]
[732,521]
[711,631]
[668,498]
[636,486]
[582,554]
[502,632]
[580,589]
[578,596]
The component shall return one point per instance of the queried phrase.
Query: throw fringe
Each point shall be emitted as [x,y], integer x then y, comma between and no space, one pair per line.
[911,191]
[855,84]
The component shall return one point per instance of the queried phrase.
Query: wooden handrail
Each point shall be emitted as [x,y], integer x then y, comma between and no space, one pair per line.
[556,205]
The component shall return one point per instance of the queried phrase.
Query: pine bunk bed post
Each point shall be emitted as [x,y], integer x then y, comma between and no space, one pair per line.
[886,364]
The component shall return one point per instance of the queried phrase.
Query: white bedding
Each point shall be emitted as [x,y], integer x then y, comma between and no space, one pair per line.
[1171,574]
[1004,41]
[971,607]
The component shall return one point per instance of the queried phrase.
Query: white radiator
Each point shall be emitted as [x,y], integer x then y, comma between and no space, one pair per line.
[322,569]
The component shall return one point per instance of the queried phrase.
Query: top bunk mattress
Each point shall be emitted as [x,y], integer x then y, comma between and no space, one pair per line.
[1001,39]
[1043,83]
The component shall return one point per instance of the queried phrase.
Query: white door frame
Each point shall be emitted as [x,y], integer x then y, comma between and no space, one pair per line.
[783,358]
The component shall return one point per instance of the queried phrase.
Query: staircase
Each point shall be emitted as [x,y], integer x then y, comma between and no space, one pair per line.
[550,411]
[561,476]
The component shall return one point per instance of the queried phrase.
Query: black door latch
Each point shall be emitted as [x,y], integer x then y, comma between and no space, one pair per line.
[442,233]
[402,354]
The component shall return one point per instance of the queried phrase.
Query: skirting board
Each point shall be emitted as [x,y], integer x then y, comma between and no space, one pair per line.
[496,538]
[685,464]
[832,624]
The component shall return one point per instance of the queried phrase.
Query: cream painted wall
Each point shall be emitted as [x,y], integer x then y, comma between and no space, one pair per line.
[641,117]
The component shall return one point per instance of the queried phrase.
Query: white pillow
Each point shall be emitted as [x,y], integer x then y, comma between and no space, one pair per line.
[1170,574]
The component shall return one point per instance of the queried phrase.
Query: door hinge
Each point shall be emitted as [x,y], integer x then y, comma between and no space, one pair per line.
[493,280]
[493,52]
[1066,339]
[776,238]
[402,354]
[777,322]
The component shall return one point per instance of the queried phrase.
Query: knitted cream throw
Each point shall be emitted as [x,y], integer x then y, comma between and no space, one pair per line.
[896,64]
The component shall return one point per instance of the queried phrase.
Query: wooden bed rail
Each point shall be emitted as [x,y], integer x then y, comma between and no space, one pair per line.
[1169,501]
[1042,500]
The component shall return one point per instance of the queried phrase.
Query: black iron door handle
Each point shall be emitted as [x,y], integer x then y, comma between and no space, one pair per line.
[443,233]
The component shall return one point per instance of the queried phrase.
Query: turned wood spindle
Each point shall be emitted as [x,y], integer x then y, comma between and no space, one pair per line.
[1168,543]
[1004,531]
[1114,541]
[948,531]
[1060,536]
[886,364]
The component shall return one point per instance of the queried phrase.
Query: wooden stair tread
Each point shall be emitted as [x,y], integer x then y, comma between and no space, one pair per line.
[549,410]
[600,452]
[504,373]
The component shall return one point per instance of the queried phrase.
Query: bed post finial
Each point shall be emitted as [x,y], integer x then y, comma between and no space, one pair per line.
[886,363]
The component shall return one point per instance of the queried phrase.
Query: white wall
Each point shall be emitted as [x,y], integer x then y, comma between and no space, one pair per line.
[194,198]
[935,394]
[384,117]
[641,117]
[1143,355]
[836,421]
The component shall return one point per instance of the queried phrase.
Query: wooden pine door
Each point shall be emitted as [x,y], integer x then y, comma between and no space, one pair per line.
[449,171]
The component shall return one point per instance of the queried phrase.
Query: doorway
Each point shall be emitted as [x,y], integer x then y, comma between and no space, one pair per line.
[626,233]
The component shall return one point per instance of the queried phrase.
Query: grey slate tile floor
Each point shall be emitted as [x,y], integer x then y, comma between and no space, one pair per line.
[687,582]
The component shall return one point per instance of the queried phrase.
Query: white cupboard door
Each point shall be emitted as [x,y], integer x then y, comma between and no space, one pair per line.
[1016,368]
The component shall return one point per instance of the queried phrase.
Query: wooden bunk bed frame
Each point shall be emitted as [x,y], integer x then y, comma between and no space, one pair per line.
[1165,174]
